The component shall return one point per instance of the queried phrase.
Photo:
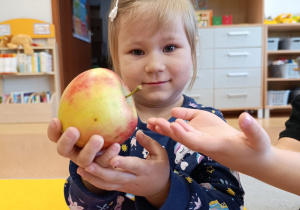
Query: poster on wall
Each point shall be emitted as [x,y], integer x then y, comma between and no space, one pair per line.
[80,20]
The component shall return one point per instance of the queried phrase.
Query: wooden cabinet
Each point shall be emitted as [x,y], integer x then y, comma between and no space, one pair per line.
[282,84]
[36,83]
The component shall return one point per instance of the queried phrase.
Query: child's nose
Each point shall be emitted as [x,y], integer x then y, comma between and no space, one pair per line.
[155,64]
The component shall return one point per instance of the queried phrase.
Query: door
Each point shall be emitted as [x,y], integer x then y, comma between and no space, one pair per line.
[75,55]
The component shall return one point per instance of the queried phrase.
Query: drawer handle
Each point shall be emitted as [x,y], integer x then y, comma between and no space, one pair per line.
[238,54]
[238,74]
[238,33]
[237,95]
[194,96]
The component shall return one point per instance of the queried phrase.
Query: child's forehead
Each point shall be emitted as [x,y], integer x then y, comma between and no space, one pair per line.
[150,27]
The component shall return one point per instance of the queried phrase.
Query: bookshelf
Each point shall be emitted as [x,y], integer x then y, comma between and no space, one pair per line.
[37,88]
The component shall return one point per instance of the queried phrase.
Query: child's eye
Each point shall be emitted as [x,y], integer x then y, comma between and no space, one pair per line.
[137,52]
[169,48]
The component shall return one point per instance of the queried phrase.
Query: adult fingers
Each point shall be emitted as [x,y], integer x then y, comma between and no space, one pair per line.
[54,130]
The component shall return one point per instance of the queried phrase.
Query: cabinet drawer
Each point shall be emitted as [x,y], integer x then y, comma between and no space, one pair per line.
[237,78]
[237,58]
[205,59]
[238,37]
[204,97]
[206,38]
[204,80]
[237,98]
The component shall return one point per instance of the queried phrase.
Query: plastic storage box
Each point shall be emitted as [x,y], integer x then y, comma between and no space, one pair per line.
[278,97]
[273,44]
[290,43]
[284,71]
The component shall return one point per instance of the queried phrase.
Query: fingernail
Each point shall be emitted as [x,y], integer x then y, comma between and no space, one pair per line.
[90,169]
[53,124]
[70,134]
[116,164]
[247,120]
[80,171]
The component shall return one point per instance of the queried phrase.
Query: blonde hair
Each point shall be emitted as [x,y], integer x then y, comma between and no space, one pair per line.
[162,11]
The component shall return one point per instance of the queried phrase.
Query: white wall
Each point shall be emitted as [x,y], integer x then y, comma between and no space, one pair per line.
[274,8]
[34,9]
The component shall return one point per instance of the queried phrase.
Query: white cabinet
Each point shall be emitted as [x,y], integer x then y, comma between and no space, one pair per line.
[229,61]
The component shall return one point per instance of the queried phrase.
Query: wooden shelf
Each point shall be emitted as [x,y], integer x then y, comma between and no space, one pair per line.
[284,27]
[288,106]
[34,48]
[30,112]
[281,52]
[26,74]
[282,79]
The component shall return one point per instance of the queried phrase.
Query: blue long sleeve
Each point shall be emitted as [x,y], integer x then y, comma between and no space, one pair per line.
[197,181]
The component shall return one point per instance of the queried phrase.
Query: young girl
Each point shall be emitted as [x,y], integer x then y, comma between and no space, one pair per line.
[152,43]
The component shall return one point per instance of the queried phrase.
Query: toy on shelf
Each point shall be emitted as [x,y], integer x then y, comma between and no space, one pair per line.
[204,17]
[227,19]
[5,40]
[21,40]
[217,20]
[283,18]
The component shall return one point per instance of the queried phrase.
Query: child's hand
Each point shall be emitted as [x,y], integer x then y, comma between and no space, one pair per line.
[208,134]
[66,144]
[83,157]
[148,178]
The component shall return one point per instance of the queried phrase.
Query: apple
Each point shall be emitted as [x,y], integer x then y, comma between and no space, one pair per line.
[95,102]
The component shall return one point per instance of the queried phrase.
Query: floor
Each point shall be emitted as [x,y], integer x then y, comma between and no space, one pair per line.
[26,153]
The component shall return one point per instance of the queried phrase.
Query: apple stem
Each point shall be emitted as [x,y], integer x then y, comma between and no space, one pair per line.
[138,88]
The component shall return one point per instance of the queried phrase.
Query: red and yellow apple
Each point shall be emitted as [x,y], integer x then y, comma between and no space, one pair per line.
[95,102]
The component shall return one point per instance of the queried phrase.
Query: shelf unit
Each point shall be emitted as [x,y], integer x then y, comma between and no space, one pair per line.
[280,31]
[230,58]
[31,82]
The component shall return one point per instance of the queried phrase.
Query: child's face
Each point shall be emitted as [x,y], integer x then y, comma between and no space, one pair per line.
[159,59]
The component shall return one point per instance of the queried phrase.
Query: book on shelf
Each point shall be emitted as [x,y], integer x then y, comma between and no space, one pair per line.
[39,62]
[26,97]
[8,63]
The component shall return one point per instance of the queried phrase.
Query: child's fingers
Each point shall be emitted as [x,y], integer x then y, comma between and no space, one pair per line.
[111,175]
[152,146]
[89,151]
[66,143]
[54,130]
[161,126]
[184,113]
[129,164]
[257,136]
[187,135]
[98,182]
[112,151]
